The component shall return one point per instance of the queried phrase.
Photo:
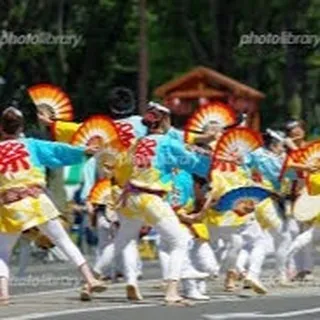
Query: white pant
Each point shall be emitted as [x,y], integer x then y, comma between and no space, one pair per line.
[54,231]
[283,237]
[248,235]
[169,230]
[278,241]
[106,233]
[303,242]
[200,257]
[203,257]
[302,249]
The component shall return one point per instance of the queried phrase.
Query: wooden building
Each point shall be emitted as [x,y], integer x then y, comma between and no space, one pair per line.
[201,85]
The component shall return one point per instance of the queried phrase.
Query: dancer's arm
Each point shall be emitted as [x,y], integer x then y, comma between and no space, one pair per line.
[55,154]
[199,216]
[61,131]
[179,157]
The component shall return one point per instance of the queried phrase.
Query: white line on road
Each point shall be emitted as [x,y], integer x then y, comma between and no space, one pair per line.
[111,286]
[75,311]
[257,315]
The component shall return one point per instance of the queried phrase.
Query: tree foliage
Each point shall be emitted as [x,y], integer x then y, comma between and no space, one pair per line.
[181,34]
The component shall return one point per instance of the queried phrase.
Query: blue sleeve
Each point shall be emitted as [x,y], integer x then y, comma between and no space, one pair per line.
[176,134]
[248,161]
[88,178]
[191,162]
[55,154]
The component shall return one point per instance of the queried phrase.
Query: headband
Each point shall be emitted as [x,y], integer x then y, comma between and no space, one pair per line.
[292,124]
[14,110]
[158,106]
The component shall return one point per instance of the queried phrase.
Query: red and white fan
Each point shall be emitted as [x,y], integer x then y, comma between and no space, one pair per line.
[52,100]
[100,191]
[235,143]
[217,112]
[97,130]
[309,155]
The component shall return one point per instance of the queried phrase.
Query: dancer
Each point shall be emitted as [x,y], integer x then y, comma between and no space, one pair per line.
[201,257]
[296,136]
[142,201]
[265,164]
[24,204]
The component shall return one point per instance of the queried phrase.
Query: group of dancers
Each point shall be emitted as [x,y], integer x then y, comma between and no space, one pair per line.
[221,196]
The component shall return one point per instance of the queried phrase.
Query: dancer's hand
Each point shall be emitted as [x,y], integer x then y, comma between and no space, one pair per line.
[312,168]
[89,208]
[92,149]
[197,216]
[290,144]
[44,118]
[238,160]
[186,218]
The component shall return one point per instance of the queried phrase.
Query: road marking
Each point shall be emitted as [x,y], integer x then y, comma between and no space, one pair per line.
[257,315]
[111,286]
[75,311]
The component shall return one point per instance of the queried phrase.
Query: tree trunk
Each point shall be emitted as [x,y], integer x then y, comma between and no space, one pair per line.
[143,57]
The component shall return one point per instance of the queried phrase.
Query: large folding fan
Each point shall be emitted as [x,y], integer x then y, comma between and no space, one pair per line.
[232,199]
[100,191]
[52,100]
[306,207]
[218,112]
[309,155]
[237,142]
[98,130]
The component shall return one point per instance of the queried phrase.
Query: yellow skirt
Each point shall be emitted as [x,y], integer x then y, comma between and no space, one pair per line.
[148,207]
[200,230]
[228,219]
[267,214]
[27,213]
[224,181]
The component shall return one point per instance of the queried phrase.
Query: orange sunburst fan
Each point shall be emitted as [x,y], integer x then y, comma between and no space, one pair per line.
[218,112]
[100,192]
[52,100]
[98,130]
[236,142]
[309,155]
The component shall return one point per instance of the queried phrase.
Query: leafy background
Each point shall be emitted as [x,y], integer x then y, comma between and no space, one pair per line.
[181,34]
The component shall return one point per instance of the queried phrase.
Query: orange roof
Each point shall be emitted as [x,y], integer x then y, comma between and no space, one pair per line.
[211,77]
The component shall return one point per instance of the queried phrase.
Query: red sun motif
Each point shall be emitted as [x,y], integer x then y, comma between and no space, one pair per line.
[13,157]
[144,153]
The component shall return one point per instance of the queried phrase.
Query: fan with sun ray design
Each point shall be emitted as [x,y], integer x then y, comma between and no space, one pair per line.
[97,130]
[236,143]
[100,191]
[52,100]
[308,156]
[213,112]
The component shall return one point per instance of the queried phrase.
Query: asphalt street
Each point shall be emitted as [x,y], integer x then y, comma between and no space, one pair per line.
[50,291]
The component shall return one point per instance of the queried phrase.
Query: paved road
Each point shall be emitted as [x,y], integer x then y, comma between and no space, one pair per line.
[35,299]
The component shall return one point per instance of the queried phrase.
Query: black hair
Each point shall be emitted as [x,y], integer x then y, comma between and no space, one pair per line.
[11,120]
